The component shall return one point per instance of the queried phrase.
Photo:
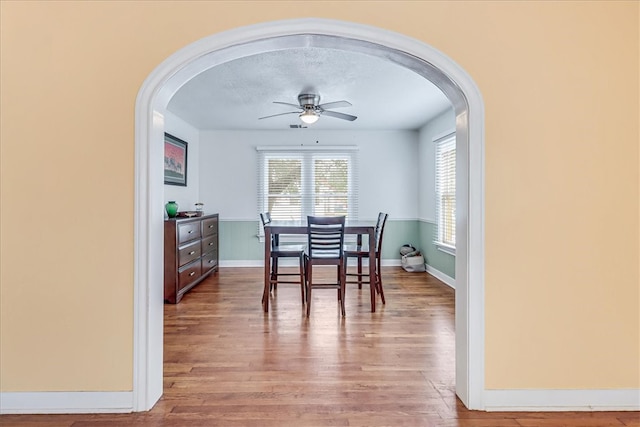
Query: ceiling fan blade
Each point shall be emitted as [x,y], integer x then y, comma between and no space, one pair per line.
[281,114]
[286,103]
[336,104]
[339,115]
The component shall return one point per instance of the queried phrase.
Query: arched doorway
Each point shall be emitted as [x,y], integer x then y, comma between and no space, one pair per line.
[169,76]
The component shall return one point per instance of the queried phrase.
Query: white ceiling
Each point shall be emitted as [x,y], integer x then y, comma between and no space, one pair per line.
[235,94]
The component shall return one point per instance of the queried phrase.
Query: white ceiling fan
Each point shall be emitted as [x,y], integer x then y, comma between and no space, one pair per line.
[309,109]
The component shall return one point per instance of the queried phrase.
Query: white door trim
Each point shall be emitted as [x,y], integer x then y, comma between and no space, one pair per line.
[180,67]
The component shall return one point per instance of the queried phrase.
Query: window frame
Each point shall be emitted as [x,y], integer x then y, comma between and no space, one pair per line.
[445,144]
[308,155]
[263,195]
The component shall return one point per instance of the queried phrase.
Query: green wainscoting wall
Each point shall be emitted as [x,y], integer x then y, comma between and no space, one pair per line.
[239,242]
[441,261]
[396,234]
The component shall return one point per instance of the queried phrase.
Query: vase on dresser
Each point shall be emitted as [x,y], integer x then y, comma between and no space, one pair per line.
[172,209]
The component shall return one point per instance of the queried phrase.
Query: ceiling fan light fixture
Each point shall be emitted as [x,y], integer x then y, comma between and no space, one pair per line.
[309,116]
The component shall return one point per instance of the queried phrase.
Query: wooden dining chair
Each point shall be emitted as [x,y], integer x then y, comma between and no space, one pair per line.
[361,252]
[325,247]
[284,251]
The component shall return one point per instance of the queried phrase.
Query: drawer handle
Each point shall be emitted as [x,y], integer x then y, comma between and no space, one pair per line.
[192,252]
[211,226]
[190,231]
[192,273]
[211,244]
[210,261]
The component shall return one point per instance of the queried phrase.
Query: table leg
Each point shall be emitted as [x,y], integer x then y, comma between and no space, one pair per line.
[267,268]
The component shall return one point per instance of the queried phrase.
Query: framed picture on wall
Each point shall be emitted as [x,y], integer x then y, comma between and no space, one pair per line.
[175,161]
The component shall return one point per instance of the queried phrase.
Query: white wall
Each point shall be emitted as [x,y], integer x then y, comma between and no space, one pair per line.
[388,169]
[438,126]
[185,196]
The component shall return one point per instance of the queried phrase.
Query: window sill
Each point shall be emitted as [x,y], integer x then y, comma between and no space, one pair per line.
[448,249]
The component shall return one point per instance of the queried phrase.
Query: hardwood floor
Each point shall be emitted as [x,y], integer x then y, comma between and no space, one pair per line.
[229,364]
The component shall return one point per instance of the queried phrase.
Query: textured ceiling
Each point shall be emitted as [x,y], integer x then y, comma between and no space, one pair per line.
[235,94]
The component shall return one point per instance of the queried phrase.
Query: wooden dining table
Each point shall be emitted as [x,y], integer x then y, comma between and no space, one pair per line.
[357,228]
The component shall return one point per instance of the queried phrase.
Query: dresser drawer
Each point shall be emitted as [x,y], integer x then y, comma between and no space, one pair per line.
[188,231]
[188,253]
[209,261]
[189,273]
[209,244]
[209,226]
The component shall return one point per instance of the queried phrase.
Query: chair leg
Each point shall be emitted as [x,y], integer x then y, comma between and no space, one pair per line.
[359,272]
[309,278]
[343,279]
[338,278]
[270,279]
[379,281]
[274,273]
[302,280]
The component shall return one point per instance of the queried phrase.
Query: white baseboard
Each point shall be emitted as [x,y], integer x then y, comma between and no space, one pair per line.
[494,400]
[59,402]
[562,400]
[447,280]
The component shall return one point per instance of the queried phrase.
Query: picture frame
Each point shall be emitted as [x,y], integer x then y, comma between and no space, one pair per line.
[175,161]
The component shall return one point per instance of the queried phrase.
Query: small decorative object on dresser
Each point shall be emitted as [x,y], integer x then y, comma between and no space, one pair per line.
[190,253]
[172,209]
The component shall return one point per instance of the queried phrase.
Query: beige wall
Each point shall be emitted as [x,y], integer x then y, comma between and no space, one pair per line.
[560,85]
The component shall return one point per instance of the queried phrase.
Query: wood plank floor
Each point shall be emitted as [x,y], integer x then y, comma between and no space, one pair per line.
[229,364]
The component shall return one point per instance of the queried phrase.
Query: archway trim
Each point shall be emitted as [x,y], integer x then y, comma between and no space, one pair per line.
[180,67]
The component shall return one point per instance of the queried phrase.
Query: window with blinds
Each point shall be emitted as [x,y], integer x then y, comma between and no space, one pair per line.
[296,182]
[282,190]
[446,190]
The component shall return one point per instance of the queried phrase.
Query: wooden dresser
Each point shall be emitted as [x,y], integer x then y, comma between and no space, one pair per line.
[190,253]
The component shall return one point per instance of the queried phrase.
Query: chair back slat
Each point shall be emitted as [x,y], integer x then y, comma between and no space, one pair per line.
[325,237]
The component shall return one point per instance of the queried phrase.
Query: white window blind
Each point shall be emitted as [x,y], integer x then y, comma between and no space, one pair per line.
[446,190]
[294,182]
